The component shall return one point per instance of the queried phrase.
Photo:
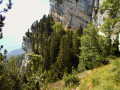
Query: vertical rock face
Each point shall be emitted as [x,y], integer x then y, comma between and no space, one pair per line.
[98,17]
[72,12]
[78,12]
[26,45]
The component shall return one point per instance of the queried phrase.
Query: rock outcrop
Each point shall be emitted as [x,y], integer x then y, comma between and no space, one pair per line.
[73,12]
[26,45]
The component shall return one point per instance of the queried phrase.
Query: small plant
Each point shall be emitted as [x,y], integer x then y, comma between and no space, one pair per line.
[71,80]
[117,63]
[95,81]
[111,57]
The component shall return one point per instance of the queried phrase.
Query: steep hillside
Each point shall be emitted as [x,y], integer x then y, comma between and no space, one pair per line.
[102,78]
[54,52]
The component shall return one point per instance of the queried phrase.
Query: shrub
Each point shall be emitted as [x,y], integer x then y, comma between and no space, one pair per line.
[117,63]
[92,48]
[71,80]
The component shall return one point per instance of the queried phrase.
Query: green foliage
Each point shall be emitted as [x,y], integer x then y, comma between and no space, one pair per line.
[54,50]
[111,5]
[52,74]
[64,58]
[2,18]
[36,62]
[59,29]
[117,63]
[114,48]
[24,79]
[54,47]
[108,26]
[71,80]
[117,77]
[10,76]
[6,81]
[91,47]
[3,56]
[76,45]
[102,78]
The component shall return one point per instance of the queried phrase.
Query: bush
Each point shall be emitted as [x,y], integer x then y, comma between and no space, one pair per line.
[92,48]
[117,63]
[71,80]
[111,57]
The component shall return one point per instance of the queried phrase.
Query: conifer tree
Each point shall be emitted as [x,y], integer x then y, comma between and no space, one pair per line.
[2,18]
[76,40]
[91,55]
[54,47]
[64,57]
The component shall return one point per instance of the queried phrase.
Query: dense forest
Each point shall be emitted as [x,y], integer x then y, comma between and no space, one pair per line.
[60,53]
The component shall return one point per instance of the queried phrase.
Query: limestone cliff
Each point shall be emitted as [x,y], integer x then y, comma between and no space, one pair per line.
[26,45]
[73,12]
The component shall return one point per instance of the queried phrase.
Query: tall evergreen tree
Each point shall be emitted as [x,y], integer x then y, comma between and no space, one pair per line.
[91,55]
[54,47]
[63,62]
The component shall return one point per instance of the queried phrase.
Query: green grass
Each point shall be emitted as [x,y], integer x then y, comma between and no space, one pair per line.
[106,77]
[103,78]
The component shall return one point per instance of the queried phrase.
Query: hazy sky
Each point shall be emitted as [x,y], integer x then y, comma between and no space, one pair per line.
[19,19]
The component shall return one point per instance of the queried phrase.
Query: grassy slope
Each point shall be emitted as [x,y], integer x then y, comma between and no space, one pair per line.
[102,78]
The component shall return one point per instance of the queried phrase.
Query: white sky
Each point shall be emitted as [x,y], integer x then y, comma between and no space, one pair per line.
[19,19]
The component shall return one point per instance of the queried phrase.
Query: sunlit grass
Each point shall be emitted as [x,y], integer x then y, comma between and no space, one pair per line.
[103,78]
[106,77]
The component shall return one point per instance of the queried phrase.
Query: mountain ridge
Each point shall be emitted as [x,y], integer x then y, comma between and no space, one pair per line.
[15,52]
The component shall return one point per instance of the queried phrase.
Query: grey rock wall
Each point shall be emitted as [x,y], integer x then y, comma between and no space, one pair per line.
[26,45]
[72,13]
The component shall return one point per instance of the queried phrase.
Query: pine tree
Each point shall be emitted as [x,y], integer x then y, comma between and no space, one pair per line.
[76,46]
[54,47]
[64,57]
[91,55]
[2,18]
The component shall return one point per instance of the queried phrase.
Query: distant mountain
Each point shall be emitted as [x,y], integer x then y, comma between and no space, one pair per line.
[16,52]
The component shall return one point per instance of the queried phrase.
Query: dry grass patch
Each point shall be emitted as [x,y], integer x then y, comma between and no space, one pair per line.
[59,85]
